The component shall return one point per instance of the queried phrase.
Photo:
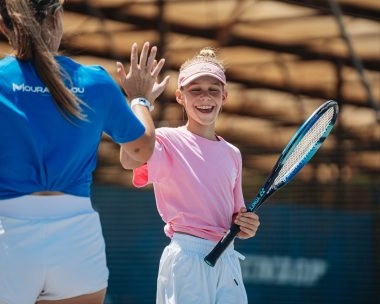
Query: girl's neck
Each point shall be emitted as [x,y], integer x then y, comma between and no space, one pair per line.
[207,132]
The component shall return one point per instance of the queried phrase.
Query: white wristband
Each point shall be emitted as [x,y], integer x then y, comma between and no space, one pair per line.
[142,102]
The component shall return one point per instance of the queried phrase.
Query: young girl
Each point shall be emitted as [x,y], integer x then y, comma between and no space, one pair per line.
[196,176]
[53,112]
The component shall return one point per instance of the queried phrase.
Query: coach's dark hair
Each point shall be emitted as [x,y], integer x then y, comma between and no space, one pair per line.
[28,23]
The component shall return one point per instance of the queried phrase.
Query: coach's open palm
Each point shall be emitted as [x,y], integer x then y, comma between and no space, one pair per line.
[141,80]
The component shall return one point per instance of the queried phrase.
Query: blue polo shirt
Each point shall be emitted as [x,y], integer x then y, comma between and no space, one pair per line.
[40,150]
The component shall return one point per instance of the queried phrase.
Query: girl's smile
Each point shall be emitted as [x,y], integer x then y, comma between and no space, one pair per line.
[205,109]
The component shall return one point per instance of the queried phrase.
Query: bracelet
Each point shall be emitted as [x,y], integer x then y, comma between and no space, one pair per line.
[142,102]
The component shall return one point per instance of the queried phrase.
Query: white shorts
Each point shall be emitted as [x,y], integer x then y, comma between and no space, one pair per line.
[51,248]
[185,278]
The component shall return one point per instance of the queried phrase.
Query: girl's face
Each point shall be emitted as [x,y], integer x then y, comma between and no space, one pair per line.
[202,99]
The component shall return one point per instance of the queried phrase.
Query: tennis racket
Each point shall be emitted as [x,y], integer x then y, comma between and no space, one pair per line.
[298,152]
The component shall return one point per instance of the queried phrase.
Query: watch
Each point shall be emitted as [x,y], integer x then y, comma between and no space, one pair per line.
[142,102]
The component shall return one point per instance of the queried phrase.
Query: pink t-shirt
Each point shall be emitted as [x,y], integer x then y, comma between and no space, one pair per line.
[197,182]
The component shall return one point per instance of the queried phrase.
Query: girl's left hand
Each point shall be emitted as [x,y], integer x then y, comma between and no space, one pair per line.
[249,223]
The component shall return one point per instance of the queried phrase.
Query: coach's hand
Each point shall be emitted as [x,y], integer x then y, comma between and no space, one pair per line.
[142,77]
[249,223]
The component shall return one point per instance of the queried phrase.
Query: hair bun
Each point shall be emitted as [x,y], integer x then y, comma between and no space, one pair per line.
[207,52]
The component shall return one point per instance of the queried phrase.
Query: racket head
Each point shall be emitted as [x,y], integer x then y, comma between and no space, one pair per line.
[300,149]
[306,142]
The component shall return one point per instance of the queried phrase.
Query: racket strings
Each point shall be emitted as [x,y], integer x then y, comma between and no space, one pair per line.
[305,148]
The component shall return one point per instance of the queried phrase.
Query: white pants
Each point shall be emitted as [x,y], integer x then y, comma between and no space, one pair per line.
[185,278]
[51,248]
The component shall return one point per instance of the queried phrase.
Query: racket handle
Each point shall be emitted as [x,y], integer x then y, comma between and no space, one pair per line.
[219,248]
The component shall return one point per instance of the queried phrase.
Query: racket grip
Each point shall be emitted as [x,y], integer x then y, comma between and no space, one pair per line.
[219,248]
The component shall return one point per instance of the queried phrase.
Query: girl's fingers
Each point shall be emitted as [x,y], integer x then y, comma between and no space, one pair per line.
[248,222]
[247,233]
